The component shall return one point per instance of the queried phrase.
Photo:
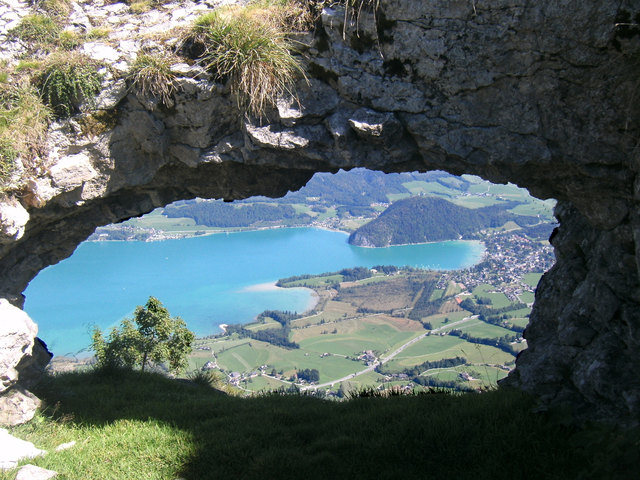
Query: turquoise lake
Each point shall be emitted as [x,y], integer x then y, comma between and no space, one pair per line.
[206,280]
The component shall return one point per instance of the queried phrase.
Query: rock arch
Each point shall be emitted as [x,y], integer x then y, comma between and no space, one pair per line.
[537,93]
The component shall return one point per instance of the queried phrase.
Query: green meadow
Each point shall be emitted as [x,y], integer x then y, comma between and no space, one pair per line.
[333,339]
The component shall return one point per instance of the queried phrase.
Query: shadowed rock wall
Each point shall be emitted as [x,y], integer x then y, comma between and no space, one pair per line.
[542,94]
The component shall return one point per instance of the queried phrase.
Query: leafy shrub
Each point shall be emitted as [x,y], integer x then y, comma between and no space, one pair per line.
[152,337]
[151,77]
[249,52]
[67,82]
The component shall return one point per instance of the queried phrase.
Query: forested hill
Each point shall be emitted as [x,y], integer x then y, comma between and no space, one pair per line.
[220,214]
[430,219]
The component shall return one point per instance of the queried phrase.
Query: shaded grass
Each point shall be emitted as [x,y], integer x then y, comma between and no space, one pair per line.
[146,426]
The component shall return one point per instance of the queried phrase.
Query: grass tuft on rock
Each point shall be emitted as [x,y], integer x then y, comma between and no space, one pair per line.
[24,120]
[151,77]
[56,8]
[39,30]
[249,51]
[288,15]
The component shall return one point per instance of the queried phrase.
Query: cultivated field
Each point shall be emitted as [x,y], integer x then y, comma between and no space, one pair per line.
[334,339]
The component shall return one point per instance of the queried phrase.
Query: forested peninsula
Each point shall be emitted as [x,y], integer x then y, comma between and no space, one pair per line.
[430,219]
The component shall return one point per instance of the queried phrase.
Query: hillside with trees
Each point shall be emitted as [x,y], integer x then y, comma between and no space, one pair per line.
[342,201]
[430,219]
[216,213]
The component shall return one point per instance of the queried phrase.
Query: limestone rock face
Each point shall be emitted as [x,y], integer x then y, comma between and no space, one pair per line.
[539,94]
[582,336]
[23,358]
[13,218]
[17,334]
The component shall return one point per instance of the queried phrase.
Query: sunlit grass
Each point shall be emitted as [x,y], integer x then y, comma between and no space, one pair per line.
[24,120]
[250,50]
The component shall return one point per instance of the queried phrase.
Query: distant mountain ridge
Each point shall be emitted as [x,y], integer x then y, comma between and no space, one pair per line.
[431,219]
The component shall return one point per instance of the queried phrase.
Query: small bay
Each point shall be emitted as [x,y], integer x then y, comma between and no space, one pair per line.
[208,280]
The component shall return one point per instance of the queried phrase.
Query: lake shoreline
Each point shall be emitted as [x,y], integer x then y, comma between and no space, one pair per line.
[200,279]
[272,286]
[163,235]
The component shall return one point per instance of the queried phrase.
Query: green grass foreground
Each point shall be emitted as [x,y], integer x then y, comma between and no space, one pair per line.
[146,426]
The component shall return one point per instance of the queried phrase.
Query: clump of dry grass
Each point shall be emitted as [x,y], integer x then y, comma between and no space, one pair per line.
[57,8]
[251,51]
[150,76]
[287,15]
[24,120]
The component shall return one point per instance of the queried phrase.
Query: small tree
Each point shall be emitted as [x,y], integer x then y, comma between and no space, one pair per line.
[153,336]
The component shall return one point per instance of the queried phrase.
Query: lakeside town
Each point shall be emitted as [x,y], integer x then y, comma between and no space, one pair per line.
[503,282]
[508,257]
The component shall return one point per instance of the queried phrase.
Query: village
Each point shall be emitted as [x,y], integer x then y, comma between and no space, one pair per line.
[509,256]
[506,271]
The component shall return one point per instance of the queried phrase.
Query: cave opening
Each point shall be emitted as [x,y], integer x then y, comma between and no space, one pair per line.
[99,285]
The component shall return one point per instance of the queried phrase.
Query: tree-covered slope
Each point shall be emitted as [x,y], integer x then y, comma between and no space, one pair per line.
[220,214]
[428,219]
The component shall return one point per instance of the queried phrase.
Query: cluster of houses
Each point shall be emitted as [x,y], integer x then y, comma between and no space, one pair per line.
[368,357]
[509,256]
[235,378]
